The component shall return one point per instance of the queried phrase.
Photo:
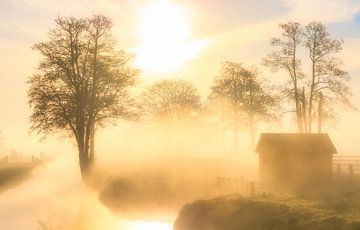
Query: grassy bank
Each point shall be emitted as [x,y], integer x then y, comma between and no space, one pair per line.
[335,210]
[12,174]
[158,187]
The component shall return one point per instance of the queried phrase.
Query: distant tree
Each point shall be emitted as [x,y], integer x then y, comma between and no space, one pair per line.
[244,95]
[285,57]
[327,81]
[81,82]
[217,110]
[173,99]
[227,90]
[172,102]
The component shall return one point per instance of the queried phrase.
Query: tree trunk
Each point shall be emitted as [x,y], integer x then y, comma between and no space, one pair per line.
[298,109]
[222,126]
[92,141]
[312,86]
[304,114]
[235,130]
[310,108]
[252,130]
[296,93]
[84,164]
[321,102]
[85,160]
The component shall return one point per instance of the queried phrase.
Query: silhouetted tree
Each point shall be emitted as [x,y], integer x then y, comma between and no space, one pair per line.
[172,102]
[285,57]
[241,92]
[81,82]
[173,99]
[217,109]
[327,82]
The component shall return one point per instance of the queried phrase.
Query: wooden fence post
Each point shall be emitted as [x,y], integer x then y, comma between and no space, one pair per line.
[338,170]
[351,170]
[252,188]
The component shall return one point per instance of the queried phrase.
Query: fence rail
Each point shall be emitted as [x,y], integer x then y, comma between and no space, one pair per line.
[346,166]
[23,160]
[232,185]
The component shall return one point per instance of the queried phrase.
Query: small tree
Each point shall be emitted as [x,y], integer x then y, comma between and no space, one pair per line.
[81,82]
[244,95]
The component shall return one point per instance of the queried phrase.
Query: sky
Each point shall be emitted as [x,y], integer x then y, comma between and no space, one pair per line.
[216,31]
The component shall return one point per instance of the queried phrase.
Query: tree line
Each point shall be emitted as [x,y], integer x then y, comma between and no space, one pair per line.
[83,82]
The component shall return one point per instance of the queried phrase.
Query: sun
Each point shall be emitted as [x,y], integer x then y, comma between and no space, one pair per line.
[165,38]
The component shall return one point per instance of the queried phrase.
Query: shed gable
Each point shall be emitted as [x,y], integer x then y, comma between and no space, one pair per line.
[285,142]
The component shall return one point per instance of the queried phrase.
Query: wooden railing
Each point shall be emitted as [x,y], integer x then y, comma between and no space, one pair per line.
[346,167]
[22,160]
[232,185]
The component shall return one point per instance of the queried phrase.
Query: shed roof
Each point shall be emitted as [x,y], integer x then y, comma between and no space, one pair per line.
[319,142]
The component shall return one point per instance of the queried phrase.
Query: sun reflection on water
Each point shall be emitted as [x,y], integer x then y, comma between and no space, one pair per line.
[146,225]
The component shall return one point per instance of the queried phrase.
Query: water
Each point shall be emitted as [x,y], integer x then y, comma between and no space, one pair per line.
[55,198]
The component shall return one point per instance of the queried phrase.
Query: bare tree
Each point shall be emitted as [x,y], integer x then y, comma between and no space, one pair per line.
[173,102]
[259,103]
[173,99]
[285,58]
[241,92]
[327,82]
[228,87]
[81,82]
[217,109]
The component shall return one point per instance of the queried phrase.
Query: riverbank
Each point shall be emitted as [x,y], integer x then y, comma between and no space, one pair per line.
[13,174]
[310,211]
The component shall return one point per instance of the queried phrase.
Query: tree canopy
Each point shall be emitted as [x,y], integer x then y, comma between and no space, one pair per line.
[241,93]
[170,99]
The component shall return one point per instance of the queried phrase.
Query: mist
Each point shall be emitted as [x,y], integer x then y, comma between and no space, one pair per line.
[175,115]
[131,182]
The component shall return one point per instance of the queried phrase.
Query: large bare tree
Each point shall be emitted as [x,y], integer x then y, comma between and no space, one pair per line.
[327,81]
[81,83]
[285,57]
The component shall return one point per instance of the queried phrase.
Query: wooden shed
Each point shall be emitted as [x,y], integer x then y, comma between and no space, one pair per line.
[295,160]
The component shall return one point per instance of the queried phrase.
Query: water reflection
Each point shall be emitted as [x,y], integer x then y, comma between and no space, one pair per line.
[146,225]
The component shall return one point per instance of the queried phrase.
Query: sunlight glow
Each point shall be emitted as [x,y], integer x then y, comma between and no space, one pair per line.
[165,39]
[143,225]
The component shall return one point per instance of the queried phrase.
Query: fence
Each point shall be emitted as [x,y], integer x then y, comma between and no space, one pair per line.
[232,185]
[21,160]
[346,167]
